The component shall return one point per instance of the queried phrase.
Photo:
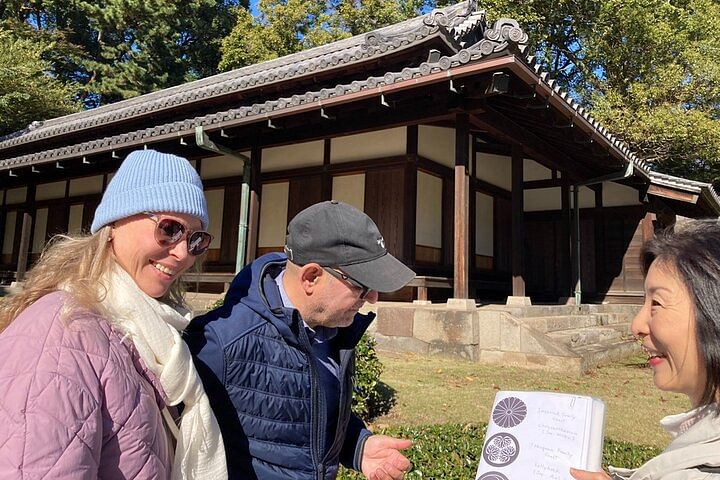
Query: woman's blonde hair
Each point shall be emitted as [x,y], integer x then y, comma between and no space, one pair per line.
[75,264]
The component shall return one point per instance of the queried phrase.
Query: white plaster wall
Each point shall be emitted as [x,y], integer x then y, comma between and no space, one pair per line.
[215,202]
[437,144]
[484,224]
[15,196]
[541,199]
[494,169]
[350,189]
[286,157]
[273,214]
[366,146]
[40,229]
[9,236]
[586,197]
[75,219]
[86,185]
[532,170]
[221,166]
[428,220]
[50,191]
[616,195]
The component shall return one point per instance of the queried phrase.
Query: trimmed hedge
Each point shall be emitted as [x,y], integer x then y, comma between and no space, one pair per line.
[452,452]
[367,396]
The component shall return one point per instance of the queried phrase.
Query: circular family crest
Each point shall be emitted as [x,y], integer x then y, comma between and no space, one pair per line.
[501,449]
[492,476]
[509,412]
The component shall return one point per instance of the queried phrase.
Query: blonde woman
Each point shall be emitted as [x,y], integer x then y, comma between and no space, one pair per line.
[92,355]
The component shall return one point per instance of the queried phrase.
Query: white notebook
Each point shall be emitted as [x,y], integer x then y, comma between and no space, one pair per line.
[540,435]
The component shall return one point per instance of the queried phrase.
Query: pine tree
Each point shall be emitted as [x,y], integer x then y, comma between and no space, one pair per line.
[118,49]
[27,92]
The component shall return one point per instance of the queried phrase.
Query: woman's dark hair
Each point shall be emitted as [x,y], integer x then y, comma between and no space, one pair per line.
[693,249]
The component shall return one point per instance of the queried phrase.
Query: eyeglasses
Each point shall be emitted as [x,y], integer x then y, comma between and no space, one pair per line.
[364,291]
[169,232]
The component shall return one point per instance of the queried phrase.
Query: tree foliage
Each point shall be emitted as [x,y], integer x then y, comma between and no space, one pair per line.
[27,92]
[118,49]
[283,27]
[661,82]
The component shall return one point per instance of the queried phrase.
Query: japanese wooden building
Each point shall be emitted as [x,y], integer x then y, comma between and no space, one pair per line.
[442,128]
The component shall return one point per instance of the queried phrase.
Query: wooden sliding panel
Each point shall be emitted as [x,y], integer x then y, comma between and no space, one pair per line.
[273,217]
[304,191]
[215,202]
[9,237]
[384,203]
[484,231]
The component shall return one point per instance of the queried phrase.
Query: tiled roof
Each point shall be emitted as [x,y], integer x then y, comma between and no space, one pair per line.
[452,23]
[504,34]
[687,185]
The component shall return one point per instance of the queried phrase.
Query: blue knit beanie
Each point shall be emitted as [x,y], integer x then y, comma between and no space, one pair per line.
[150,181]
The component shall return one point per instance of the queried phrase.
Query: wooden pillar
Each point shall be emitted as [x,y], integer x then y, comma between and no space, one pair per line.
[648,230]
[518,223]
[254,207]
[565,241]
[410,197]
[462,186]
[27,224]
[575,244]
[599,231]
[3,221]
[327,179]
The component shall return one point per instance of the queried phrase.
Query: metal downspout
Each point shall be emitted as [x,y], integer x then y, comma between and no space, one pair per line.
[204,142]
[576,220]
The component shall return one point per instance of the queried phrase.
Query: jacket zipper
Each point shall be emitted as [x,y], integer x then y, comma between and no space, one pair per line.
[315,400]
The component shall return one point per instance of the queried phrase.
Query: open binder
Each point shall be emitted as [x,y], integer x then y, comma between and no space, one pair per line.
[541,435]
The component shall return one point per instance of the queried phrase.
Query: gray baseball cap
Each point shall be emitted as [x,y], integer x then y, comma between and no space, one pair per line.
[335,234]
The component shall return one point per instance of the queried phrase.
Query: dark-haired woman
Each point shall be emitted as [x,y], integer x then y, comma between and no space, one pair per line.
[679,325]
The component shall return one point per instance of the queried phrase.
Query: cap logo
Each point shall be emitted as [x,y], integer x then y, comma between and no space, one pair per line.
[381,242]
[289,253]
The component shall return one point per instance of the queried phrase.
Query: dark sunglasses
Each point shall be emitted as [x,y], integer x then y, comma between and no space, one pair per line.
[364,291]
[169,232]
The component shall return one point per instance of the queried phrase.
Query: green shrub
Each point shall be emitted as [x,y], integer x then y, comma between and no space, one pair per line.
[452,452]
[366,396]
[216,304]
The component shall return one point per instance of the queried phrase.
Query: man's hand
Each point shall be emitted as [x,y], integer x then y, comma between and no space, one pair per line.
[585,475]
[382,460]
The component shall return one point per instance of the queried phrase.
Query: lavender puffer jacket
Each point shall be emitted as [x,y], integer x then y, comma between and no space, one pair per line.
[76,401]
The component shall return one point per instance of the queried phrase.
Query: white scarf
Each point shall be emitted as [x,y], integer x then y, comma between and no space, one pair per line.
[153,327]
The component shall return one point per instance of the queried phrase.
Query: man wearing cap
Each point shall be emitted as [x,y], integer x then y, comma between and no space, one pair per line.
[277,358]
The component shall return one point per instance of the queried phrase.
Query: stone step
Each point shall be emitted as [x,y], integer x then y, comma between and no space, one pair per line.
[584,309]
[569,322]
[596,354]
[576,337]
[199,303]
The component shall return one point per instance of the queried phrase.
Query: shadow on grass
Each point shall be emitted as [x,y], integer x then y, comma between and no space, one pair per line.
[637,361]
[386,399]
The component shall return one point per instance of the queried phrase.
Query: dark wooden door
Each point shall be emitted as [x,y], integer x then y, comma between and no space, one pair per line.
[384,203]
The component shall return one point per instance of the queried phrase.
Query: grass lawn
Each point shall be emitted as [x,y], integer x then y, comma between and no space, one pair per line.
[431,390]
